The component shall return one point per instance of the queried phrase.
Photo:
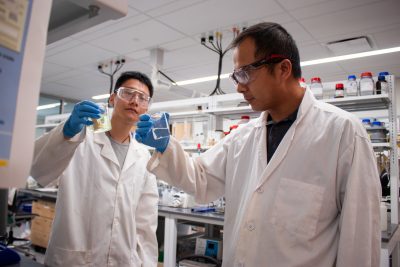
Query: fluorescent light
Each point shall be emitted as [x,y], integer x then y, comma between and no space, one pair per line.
[101,96]
[48,106]
[204,79]
[350,56]
[304,63]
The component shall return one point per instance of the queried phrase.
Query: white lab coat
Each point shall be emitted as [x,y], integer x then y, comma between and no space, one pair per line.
[315,204]
[104,216]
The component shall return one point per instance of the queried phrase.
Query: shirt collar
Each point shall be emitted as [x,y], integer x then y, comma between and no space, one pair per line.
[291,118]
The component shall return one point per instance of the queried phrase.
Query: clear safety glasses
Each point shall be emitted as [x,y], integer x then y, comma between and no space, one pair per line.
[130,94]
[242,75]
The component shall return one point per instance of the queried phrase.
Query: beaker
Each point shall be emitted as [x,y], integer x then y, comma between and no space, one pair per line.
[160,125]
[103,124]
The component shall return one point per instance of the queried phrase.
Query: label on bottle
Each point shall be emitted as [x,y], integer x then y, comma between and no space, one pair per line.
[351,88]
[317,91]
[339,93]
[367,87]
[384,88]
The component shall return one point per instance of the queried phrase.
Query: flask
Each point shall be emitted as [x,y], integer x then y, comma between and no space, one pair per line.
[316,87]
[366,84]
[382,84]
[351,86]
[339,91]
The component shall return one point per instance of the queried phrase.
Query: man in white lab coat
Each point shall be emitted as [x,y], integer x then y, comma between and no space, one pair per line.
[300,182]
[106,209]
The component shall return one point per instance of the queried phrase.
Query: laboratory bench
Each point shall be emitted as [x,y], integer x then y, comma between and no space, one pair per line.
[390,238]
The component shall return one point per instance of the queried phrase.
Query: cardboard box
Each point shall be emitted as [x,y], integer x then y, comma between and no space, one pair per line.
[209,247]
[44,208]
[40,231]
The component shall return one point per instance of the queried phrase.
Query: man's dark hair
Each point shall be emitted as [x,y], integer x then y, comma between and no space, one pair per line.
[272,38]
[141,77]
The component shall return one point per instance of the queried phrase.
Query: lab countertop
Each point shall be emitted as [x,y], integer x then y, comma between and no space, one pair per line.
[187,214]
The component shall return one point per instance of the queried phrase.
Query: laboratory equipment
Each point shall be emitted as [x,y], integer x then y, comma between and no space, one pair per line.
[160,128]
[103,124]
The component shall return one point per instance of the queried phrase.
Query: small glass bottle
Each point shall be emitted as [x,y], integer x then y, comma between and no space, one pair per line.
[382,85]
[339,91]
[244,119]
[352,86]
[303,83]
[367,84]
[316,87]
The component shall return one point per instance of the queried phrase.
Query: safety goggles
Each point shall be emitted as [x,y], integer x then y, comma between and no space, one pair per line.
[130,94]
[243,74]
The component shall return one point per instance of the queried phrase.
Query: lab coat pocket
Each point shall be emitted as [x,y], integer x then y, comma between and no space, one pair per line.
[297,207]
[65,257]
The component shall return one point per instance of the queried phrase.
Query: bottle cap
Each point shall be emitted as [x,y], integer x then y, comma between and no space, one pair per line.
[366,74]
[316,79]
[381,78]
[351,77]
[376,123]
[339,86]
[302,80]
[383,73]
[366,121]
[245,117]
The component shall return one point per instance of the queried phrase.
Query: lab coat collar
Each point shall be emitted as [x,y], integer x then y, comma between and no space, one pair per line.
[307,101]
[108,152]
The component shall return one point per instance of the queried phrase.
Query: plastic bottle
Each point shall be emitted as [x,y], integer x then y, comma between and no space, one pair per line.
[367,84]
[316,87]
[339,91]
[244,119]
[366,123]
[303,83]
[352,86]
[382,85]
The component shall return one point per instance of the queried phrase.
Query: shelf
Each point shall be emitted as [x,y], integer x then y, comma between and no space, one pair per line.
[360,103]
[379,147]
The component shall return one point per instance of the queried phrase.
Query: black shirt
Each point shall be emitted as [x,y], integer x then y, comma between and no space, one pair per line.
[276,131]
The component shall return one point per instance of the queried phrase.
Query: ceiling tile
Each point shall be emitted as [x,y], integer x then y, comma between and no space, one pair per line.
[50,69]
[210,15]
[298,33]
[171,7]
[327,8]
[352,21]
[179,44]
[135,37]
[387,39]
[313,51]
[79,56]
[60,46]
[123,24]
[145,5]
[296,4]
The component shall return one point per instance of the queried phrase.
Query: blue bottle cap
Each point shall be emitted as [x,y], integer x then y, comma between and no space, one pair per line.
[381,78]
[383,73]
[351,77]
[376,123]
[366,121]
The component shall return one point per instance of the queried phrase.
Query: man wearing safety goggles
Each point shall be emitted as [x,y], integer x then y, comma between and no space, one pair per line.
[300,182]
[106,210]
